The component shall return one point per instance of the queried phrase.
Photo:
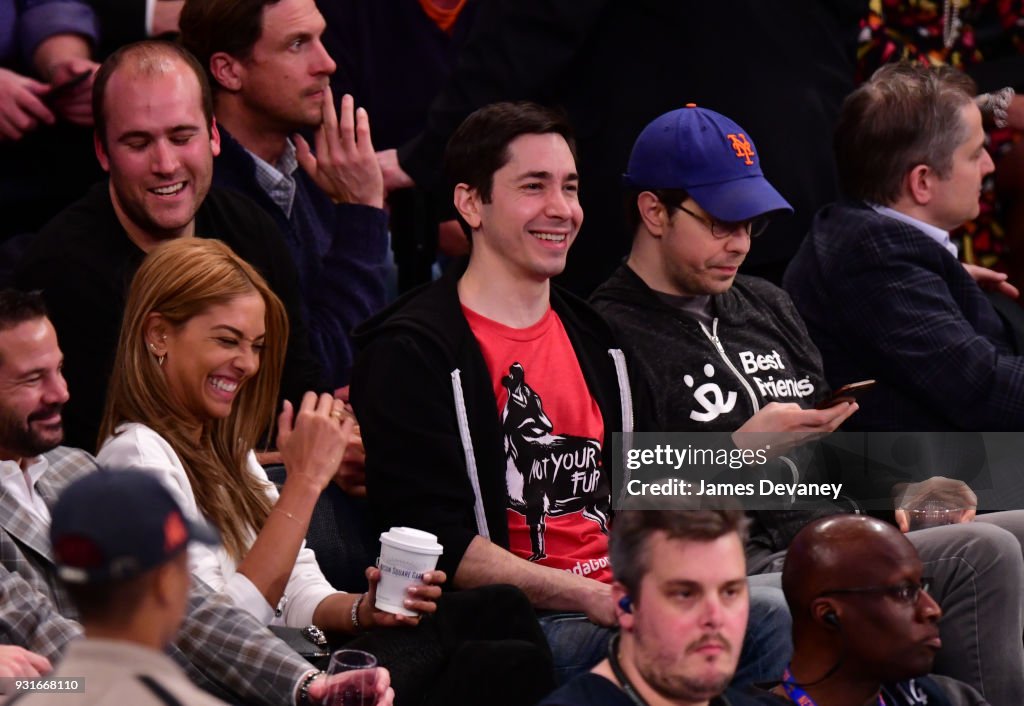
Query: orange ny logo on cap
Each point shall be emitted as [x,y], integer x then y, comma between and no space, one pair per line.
[742,147]
[175,532]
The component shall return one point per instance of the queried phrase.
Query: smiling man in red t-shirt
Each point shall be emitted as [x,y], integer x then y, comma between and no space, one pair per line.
[489,399]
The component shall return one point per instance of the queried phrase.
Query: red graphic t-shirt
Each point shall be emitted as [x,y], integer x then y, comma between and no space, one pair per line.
[559,493]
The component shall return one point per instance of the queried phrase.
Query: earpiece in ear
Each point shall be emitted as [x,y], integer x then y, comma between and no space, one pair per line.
[832,619]
[626,603]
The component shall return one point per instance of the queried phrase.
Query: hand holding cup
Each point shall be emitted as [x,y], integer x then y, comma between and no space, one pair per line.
[406,584]
[935,502]
[420,598]
[354,679]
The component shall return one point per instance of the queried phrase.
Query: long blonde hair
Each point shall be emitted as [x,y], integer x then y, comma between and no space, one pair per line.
[179,280]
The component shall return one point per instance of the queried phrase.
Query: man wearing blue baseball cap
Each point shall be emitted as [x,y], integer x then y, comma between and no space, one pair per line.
[727,353]
[119,543]
[723,352]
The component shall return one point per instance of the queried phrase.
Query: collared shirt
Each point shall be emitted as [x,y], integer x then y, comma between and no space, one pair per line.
[277,180]
[934,232]
[21,485]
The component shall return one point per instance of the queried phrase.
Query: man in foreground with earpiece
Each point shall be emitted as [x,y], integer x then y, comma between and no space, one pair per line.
[681,601]
[865,629]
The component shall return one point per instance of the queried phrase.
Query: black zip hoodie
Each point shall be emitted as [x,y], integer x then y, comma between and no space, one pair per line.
[435,452]
[714,377]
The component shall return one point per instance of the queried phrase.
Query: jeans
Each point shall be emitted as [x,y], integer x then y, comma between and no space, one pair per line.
[977,574]
[578,644]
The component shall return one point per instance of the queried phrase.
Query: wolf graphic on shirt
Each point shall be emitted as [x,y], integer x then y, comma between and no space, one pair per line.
[547,474]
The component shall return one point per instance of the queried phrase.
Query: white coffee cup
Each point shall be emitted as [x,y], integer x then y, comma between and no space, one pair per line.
[405,555]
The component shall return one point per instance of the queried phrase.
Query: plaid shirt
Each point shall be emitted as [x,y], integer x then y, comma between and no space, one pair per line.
[276,179]
[218,644]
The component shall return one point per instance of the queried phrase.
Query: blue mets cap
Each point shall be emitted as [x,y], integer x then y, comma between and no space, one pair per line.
[710,157]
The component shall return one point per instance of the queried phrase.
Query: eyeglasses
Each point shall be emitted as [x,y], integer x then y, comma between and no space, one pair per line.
[907,592]
[724,229]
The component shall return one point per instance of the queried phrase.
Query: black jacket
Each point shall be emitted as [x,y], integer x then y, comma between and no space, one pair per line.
[766,354]
[431,463]
[339,250]
[757,351]
[883,300]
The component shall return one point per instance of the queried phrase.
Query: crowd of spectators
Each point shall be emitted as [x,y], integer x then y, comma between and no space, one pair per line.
[640,229]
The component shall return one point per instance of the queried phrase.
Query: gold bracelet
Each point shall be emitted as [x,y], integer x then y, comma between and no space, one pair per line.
[289,515]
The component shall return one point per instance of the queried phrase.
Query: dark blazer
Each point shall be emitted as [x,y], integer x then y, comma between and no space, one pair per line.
[883,300]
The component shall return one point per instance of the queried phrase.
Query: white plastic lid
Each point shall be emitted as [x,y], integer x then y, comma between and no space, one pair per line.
[412,540]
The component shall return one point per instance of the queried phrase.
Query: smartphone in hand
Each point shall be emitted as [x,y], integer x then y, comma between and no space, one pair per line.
[63,89]
[846,393]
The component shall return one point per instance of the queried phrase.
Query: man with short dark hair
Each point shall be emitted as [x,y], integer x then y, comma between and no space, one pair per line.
[865,629]
[878,281]
[220,646]
[681,602]
[157,139]
[488,400]
[269,72]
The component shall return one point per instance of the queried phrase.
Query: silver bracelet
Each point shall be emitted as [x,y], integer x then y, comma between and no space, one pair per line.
[303,697]
[355,612]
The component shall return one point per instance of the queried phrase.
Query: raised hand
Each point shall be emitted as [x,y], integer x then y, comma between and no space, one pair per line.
[344,166]
[313,441]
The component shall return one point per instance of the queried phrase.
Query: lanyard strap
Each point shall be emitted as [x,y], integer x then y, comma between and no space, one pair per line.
[800,697]
[624,682]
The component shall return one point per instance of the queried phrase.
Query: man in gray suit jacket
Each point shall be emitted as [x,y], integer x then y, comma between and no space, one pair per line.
[223,649]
